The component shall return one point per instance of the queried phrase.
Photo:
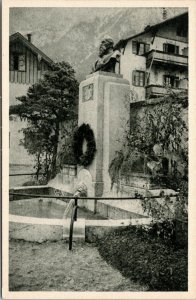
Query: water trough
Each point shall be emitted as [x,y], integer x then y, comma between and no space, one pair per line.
[43,219]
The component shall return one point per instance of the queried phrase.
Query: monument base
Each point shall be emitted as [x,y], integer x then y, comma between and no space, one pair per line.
[104,101]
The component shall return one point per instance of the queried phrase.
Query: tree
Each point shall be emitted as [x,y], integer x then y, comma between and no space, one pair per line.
[158,135]
[48,103]
[159,132]
[156,132]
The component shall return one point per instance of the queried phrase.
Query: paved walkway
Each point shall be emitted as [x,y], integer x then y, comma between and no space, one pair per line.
[51,267]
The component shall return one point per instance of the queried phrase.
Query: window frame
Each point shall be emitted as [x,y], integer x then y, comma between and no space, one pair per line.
[16,63]
[136,47]
[165,48]
[175,79]
[138,78]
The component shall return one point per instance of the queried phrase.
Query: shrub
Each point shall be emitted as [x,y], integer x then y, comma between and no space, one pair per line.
[144,258]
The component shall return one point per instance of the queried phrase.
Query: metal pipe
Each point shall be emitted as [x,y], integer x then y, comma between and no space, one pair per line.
[76,205]
[89,198]
[71,228]
[25,174]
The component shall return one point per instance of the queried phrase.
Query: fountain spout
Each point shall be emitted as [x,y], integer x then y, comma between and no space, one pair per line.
[81,190]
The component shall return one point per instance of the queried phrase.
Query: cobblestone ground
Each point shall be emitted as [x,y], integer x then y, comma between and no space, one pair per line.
[50,266]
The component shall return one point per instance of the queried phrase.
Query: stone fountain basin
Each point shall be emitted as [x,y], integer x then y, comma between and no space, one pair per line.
[41,219]
[43,229]
[26,222]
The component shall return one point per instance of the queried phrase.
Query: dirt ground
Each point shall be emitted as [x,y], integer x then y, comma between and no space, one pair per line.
[50,266]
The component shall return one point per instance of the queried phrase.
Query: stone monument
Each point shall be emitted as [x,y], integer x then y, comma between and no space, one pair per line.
[104,105]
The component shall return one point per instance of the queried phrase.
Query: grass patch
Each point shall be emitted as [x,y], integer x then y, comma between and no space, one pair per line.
[146,259]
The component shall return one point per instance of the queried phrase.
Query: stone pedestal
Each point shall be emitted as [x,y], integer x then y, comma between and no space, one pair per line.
[104,105]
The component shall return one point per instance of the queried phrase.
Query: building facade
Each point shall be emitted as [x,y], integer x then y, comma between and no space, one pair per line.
[155,61]
[27,65]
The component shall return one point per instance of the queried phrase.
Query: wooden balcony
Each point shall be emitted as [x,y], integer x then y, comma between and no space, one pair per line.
[153,91]
[160,57]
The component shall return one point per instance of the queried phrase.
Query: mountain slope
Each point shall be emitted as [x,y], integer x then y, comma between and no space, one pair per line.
[74,34]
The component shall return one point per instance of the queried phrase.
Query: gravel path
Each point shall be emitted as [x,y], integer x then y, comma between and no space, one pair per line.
[51,267]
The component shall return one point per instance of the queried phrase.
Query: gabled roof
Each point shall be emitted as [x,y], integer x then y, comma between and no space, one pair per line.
[149,28]
[18,36]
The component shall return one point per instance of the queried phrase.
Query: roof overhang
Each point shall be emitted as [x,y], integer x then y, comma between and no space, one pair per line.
[19,37]
[122,43]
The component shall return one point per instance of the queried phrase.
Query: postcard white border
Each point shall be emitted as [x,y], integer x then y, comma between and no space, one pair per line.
[191,4]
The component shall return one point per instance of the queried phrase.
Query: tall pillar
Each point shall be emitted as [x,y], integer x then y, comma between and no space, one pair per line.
[104,105]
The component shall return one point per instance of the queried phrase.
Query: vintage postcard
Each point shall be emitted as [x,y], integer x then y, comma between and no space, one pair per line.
[99,119]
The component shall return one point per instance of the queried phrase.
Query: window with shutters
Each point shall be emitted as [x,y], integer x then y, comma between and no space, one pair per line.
[17,62]
[140,48]
[138,78]
[171,81]
[134,47]
[170,48]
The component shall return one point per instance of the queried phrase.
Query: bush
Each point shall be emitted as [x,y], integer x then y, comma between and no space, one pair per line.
[143,257]
[34,182]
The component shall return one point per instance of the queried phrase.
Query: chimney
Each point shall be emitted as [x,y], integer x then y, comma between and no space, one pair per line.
[29,37]
[164,13]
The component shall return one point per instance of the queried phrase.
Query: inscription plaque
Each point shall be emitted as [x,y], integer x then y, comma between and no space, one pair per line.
[87,93]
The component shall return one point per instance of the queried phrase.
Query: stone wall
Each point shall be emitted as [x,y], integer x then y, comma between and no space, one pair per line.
[140,182]
[139,109]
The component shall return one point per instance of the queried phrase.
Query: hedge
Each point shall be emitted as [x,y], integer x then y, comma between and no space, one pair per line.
[144,258]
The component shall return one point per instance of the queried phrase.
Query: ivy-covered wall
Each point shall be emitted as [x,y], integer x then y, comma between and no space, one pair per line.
[155,149]
[160,129]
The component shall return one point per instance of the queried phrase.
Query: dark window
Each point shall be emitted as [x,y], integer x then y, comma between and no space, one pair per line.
[147,47]
[17,62]
[39,65]
[182,30]
[140,48]
[170,48]
[165,166]
[138,78]
[11,62]
[185,51]
[171,81]
[134,47]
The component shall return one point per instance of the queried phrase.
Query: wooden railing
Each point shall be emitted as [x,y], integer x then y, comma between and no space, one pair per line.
[164,57]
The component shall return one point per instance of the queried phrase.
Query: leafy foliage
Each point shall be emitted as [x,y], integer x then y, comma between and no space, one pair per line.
[48,103]
[158,134]
[65,154]
[160,130]
[115,167]
[143,257]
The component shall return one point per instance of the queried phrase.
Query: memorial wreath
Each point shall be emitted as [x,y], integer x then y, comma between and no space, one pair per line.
[84,132]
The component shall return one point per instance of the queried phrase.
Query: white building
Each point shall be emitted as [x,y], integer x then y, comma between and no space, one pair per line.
[156,59]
